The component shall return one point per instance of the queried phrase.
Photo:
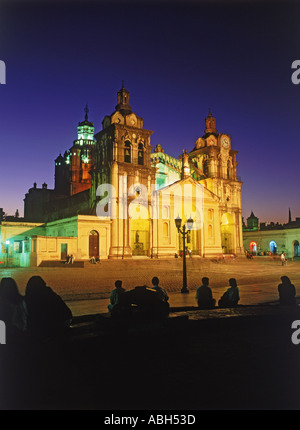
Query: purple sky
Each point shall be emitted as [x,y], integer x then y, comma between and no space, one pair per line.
[178,59]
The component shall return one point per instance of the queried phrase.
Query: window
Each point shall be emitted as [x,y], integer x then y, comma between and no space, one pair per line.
[26,246]
[205,167]
[127,152]
[141,154]
[18,246]
[166,229]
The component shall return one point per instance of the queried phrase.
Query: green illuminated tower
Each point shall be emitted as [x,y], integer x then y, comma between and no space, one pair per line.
[72,171]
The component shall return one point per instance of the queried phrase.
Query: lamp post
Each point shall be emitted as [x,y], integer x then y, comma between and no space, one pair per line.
[184,231]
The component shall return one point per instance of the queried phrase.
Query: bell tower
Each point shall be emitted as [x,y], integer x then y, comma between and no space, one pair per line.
[123,100]
[124,161]
[72,170]
[210,124]
[217,161]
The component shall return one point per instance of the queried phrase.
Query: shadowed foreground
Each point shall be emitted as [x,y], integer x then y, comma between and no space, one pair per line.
[241,362]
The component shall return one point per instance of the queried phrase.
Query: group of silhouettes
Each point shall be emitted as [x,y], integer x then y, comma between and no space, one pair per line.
[40,312]
[151,303]
[231,297]
[204,296]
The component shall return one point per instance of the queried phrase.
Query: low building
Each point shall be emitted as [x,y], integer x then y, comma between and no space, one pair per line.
[272,238]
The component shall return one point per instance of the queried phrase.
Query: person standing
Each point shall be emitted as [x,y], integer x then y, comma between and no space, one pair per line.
[283,258]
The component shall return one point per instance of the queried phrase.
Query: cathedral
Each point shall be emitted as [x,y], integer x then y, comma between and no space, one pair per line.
[114,197]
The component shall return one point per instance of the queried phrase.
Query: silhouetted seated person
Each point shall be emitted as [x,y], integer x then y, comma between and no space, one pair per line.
[204,295]
[231,297]
[161,291]
[148,303]
[287,292]
[118,305]
[47,313]
[13,310]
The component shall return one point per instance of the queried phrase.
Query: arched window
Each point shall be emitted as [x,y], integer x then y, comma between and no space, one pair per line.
[127,152]
[141,154]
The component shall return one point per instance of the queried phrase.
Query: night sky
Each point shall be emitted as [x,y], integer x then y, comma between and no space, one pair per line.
[178,60]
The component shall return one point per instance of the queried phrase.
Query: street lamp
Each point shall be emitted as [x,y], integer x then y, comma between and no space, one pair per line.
[184,231]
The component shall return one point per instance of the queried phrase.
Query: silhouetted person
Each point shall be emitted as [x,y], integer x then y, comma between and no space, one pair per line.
[161,291]
[116,298]
[47,312]
[231,297]
[13,310]
[287,292]
[204,295]
[150,303]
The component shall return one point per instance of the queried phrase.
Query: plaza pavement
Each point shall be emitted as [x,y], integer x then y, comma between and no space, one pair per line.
[86,290]
[199,363]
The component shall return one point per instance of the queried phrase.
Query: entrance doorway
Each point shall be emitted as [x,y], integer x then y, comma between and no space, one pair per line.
[296,249]
[63,251]
[227,233]
[253,247]
[94,244]
[140,235]
[273,247]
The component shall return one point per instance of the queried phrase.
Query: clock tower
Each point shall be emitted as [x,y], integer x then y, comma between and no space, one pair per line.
[217,161]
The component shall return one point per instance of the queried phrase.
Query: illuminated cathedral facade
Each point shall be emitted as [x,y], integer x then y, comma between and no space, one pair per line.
[115,197]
